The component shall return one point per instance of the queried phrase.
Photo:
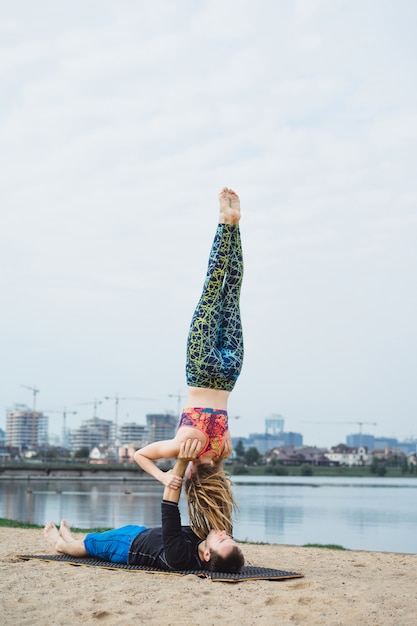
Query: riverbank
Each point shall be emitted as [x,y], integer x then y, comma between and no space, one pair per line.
[339,588]
[127,472]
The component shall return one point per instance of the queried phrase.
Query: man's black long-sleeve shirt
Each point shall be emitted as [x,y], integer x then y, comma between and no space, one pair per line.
[170,547]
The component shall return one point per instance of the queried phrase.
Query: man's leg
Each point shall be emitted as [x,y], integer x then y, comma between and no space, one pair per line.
[112,545]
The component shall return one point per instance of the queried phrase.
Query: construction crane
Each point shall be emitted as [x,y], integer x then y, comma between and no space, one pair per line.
[179,397]
[64,413]
[360,423]
[117,399]
[360,428]
[34,391]
[95,403]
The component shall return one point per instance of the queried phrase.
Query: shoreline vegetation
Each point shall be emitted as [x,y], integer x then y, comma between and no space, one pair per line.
[57,470]
[12,523]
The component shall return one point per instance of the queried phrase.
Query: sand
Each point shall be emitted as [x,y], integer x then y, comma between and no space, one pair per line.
[338,588]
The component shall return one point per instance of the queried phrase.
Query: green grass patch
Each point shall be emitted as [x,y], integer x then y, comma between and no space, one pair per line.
[11,523]
[329,546]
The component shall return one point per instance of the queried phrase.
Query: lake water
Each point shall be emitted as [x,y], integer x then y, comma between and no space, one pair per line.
[357,513]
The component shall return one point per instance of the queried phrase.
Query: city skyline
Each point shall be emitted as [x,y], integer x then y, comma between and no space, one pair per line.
[273,426]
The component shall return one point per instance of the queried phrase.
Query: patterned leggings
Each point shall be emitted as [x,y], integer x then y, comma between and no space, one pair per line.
[215,340]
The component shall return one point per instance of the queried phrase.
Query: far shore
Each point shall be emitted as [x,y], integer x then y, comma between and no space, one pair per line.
[128,472]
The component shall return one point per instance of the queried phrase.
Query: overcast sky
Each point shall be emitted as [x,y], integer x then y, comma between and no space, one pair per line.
[121,121]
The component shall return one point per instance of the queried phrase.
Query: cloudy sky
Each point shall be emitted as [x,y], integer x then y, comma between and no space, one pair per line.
[121,121]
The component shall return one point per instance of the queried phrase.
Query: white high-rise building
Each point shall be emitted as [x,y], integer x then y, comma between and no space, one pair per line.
[91,433]
[130,431]
[26,428]
[161,426]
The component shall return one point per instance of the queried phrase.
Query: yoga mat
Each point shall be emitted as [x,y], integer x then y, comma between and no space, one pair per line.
[248,572]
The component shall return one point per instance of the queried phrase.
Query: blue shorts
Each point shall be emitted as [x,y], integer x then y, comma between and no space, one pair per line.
[112,545]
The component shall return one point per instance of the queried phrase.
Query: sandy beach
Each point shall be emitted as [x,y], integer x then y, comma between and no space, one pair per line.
[338,588]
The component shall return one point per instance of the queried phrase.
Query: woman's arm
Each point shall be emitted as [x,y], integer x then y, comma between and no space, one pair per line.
[146,457]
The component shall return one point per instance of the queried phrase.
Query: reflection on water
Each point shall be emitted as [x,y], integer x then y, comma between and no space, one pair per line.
[378,515]
[356,514]
[86,504]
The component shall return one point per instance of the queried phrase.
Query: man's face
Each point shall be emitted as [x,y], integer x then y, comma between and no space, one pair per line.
[220,542]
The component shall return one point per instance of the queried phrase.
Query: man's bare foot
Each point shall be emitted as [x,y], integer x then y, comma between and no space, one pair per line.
[51,534]
[65,531]
[229,207]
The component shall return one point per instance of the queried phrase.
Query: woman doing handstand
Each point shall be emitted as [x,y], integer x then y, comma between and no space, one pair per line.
[214,362]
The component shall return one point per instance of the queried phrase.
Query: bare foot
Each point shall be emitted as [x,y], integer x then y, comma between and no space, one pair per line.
[65,531]
[229,207]
[51,534]
[235,205]
[224,205]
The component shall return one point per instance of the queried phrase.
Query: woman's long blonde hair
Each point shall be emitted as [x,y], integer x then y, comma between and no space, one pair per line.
[210,499]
